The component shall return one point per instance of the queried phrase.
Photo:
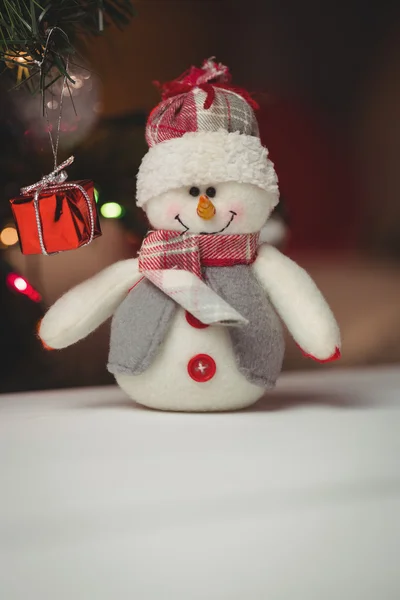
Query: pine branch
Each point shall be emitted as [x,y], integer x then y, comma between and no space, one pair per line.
[25,26]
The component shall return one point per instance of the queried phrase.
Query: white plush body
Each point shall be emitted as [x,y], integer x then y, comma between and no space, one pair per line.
[166,385]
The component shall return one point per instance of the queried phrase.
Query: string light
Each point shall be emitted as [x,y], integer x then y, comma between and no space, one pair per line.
[52,104]
[111,210]
[19,60]
[9,236]
[21,285]
[78,83]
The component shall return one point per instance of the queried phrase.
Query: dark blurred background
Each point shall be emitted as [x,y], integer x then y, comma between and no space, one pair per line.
[327,77]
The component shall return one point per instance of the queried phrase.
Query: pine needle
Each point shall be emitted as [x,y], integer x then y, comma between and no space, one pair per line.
[25,26]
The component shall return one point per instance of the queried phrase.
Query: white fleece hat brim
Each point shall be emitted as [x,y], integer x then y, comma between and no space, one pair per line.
[205,158]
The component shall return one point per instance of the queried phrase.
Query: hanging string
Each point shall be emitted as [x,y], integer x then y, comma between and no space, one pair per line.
[55,144]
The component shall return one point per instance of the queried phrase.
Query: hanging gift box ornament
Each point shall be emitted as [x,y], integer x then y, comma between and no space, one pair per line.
[54,215]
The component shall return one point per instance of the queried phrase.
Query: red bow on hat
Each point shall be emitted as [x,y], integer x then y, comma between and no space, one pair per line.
[211,75]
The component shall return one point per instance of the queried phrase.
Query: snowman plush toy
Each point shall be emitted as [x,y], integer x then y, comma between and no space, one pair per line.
[195,318]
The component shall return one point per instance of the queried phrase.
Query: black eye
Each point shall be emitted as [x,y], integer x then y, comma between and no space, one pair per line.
[194,191]
[211,191]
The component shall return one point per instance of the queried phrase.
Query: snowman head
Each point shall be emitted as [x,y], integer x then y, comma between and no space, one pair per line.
[206,170]
[223,208]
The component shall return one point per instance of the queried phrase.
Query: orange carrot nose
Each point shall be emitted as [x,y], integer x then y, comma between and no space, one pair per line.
[205,208]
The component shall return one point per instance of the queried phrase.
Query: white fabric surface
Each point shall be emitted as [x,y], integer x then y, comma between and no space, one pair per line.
[297,498]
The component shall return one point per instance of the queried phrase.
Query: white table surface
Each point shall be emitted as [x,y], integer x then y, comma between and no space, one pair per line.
[297,499]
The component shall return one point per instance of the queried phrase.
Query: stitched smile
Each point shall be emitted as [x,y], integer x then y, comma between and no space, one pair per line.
[233,215]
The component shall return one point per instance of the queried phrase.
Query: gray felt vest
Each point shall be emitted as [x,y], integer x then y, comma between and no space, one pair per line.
[141,322]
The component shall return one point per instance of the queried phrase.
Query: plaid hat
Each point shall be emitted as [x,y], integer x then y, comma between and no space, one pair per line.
[204,131]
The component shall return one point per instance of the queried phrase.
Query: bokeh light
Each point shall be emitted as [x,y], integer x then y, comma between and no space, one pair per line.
[111,210]
[21,285]
[9,236]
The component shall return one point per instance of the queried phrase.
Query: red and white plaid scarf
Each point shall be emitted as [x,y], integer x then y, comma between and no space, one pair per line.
[173,262]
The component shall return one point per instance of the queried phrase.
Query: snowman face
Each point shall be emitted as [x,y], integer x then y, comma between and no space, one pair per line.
[223,208]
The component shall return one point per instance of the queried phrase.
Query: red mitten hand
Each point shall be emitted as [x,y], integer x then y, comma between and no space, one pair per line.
[45,346]
[335,356]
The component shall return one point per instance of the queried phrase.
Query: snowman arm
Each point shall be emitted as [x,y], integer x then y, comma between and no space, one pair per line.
[84,308]
[299,303]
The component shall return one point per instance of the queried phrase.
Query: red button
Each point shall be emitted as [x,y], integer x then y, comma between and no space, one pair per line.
[195,322]
[201,368]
